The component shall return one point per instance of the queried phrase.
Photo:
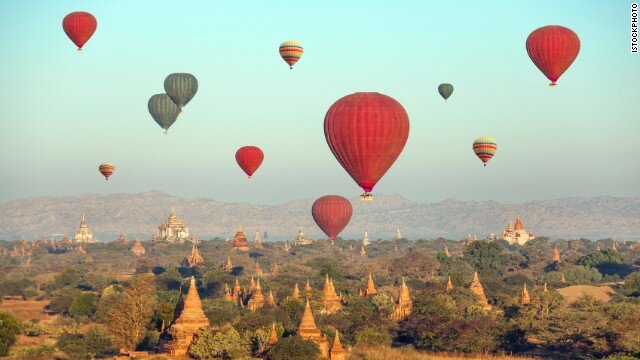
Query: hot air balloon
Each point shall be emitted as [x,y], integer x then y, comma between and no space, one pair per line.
[79,27]
[366,132]
[163,110]
[332,214]
[249,158]
[181,88]
[291,52]
[445,90]
[106,169]
[553,49]
[485,148]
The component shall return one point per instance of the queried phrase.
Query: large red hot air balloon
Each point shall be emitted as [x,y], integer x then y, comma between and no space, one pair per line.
[553,49]
[366,132]
[79,27]
[332,214]
[249,158]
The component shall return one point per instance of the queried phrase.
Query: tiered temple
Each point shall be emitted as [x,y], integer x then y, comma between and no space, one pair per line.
[257,270]
[240,241]
[173,230]
[330,299]
[137,249]
[83,234]
[517,234]
[371,287]
[257,241]
[301,239]
[308,330]
[193,258]
[404,306]
[365,239]
[180,334]
[477,289]
[257,298]
[337,351]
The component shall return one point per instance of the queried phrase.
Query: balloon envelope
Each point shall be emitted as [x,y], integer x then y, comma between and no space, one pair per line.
[79,27]
[553,49]
[332,214]
[181,88]
[445,90]
[366,132]
[291,52]
[249,158]
[106,169]
[485,147]
[163,110]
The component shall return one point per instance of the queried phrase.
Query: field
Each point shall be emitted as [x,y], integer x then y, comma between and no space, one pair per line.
[573,293]
[386,353]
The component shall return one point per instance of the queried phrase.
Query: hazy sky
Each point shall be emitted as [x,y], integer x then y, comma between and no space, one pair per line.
[65,112]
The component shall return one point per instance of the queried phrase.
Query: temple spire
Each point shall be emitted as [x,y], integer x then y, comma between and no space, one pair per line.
[273,337]
[525,299]
[371,287]
[477,289]
[337,351]
[449,284]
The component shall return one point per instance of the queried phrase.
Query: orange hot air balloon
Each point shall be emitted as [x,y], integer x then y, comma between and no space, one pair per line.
[106,169]
[332,214]
[485,147]
[249,158]
[553,49]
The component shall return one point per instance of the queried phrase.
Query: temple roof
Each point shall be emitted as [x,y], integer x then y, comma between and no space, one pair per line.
[371,288]
[518,225]
[192,313]
[273,337]
[525,299]
[337,348]
[478,290]
[308,328]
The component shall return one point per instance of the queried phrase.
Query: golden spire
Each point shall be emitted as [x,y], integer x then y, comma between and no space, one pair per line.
[525,299]
[188,322]
[273,337]
[296,292]
[308,323]
[371,288]
[330,299]
[476,288]
[337,351]
[449,284]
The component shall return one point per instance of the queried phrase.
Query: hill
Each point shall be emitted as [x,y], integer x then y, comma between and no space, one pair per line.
[132,214]
[573,293]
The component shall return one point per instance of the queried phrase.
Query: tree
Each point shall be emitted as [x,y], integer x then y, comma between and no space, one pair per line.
[84,305]
[600,257]
[294,347]
[9,329]
[631,285]
[578,274]
[486,257]
[129,316]
[82,346]
[224,344]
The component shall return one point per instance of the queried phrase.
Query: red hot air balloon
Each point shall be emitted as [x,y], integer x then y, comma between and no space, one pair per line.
[106,169]
[249,158]
[553,49]
[332,214]
[366,132]
[79,27]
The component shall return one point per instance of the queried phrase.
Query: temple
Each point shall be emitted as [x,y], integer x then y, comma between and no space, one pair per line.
[449,284]
[363,251]
[83,234]
[229,265]
[180,334]
[307,289]
[122,240]
[273,336]
[296,292]
[365,239]
[301,239]
[337,351]
[371,287]
[257,298]
[193,258]
[525,298]
[173,230]
[556,254]
[446,251]
[516,234]
[309,331]
[477,289]
[330,300]
[398,234]
[257,240]
[545,289]
[405,305]
[470,240]
[271,300]
[287,247]
[257,270]
[275,269]
[240,241]
[137,249]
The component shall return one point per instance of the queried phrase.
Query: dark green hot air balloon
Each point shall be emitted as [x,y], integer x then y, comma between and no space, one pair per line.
[181,88]
[163,110]
[445,90]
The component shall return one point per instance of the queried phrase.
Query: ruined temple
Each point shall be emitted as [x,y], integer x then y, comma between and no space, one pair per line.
[371,287]
[193,258]
[137,249]
[240,241]
[330,299]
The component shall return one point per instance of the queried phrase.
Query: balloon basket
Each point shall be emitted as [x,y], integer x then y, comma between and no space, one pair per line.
[366,197]
[553,84]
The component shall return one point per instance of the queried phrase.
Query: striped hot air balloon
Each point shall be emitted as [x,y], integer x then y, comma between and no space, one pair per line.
[163,110]
[485,147]
[79,27]
[106,169]
[181,88]
[291,52]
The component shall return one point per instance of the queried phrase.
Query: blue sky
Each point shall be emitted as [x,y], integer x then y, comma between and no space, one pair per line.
[65,112]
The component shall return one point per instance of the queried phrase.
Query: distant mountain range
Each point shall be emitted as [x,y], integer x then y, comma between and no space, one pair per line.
[132,214]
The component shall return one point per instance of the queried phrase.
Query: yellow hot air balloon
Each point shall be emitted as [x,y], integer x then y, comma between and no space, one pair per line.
[291,52]
[485,147]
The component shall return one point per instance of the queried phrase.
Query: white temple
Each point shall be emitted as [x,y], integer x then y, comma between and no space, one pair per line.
[516,234]
[83,234]
[301,239]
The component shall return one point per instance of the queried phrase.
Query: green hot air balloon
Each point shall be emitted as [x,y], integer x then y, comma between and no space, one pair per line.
[445,90]
[163,110]
[181,88]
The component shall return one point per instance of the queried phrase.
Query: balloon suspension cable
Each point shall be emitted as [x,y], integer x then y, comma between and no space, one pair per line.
[366,196]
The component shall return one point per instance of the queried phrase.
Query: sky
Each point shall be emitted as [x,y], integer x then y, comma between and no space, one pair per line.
[65,112]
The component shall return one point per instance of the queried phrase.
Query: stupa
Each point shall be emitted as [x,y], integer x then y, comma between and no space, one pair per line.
[257,298]
[330,299]
[478,291]
[287,247]
[83,234]
[470,240]
[449,284]
[517,234]
[193,258]
[556,254]
[122,240]
[395,247]
[137,249]
[545,289]
[257,270]
[446,251]
[371,287]
[597,246]
[365,239]
[227,293]
[273,337]
[398,234]
[275,269]
[81,250]
[229,265]
[237,290]
[307,289]
[363,251]
[252,284]
[296,292]
[271,300]
[173,230]
[301,239]
[525,299]
[563,280]
[337,351]
[180,334]
[404,306]
[65,242]
[240,241]
[309,331]
[257,241]
[614,246]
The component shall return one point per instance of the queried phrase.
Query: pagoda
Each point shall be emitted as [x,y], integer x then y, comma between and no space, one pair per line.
[257,298]
[614,246]
[180,334]
[65,242]
[173,230]
[395,247]
[229,265]
[330,299]
[273,337]
[563,280]
[271,300]
[301,239]
[193,258]
[337,351]
[405,305]
[449,284]
[137,249]
[122,240]
[365,239]
[398,234]
[363,251]
[252,284]
[83,234]
[257,241]
[597,247]
[307,289]
[478,291]
[309,331]
[296,292]
[371,287]
[287,247]
[470,240]
[237,291]
[556,254]
[240,241]
[227,293]
[545,289]
[525,298]
[446,251]
[516,234]
[274,268]
[257,270]
[81,250]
